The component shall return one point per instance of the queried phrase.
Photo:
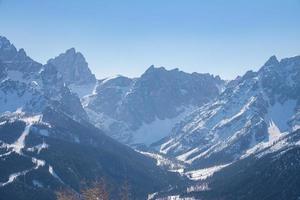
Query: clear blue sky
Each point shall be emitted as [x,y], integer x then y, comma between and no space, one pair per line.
[225,37]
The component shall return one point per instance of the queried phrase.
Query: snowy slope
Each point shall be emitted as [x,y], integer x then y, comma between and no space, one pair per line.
[247,137]
[144,110]
[254,110]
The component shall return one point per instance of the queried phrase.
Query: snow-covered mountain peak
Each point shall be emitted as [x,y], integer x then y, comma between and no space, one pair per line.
[74,68]
[31,87]
[72,52]
[7,50]
[5,43]
[16,60]
[153,69]
[272,61]
[22,52]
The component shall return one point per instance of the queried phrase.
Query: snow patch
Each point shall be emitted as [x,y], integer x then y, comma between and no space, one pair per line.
[110,78]
[52,172]
[38,148]
[280,114]
[158,129]
[164,162]
[13,177]
[296,127]
[202,174]
[154,131]
[173,197]
[37,183]
[6,154]
[278,117]
[38,163]
[274,132]
[20,143]
[82,90]
[198,188]
[184,156]
[241,112]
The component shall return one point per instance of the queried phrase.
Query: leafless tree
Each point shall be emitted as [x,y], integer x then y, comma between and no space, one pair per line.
[67,195]
[98,191]
[125,191]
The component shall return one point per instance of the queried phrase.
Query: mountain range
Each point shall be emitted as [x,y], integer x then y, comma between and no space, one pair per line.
[143,110]
[47,142]
[245,143]
[171,134]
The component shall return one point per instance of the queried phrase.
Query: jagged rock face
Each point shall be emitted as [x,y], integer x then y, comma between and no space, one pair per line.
[156,96]
[255,109]
[29,86]
[16,59]
[71,105]
[159,93]
[282,78]
[8,51]
[73,67]
[18,91]
[108,95]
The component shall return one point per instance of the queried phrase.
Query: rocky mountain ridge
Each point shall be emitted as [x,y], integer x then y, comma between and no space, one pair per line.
[47,142]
